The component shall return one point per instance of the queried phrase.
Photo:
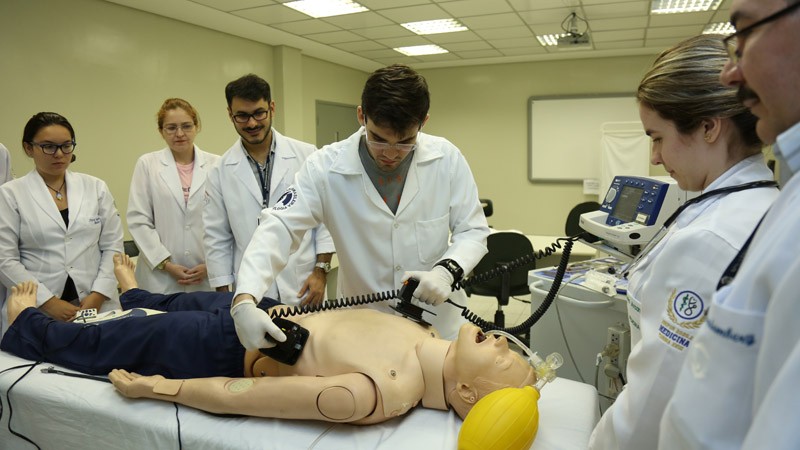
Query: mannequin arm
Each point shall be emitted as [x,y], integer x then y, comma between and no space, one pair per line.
[339,398]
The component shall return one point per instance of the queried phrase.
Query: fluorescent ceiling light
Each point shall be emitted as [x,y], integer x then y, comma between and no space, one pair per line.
[418,50]
[326,8]
[549,40]
[683,6]
[719,28]
[435,26]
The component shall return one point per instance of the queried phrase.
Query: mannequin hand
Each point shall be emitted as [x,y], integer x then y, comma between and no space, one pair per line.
[434,285]
[133,385]
[253,323]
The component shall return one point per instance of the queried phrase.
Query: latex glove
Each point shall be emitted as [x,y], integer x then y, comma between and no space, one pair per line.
[434,286]
[252,324]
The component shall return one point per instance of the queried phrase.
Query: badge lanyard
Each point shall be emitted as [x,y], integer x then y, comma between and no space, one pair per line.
[667,223]
[265,183]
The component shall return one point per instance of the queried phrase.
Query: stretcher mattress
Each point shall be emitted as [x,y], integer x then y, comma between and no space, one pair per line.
[56,411]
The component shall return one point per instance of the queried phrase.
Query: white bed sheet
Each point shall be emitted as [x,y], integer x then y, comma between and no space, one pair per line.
[57,412]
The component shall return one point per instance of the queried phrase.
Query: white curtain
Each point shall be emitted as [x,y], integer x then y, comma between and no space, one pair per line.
[626,151]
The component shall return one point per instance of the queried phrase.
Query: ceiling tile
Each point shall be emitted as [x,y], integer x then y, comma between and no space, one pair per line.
[233,5]
[359,20]
[335,37]
[516,43]
[404,41]
[269,15]
[617,45]
[360,46]
[461,8]
[532,5]
[460,36]
[522,51]
[614,10]
[503,33]
[468,46]
[384,4]
[672,32]
[548,16]
[626,23]
[439,57]
[470,54]
[492,21]
[620,35]
[415,13]
[303,27]
[663,43]
[667,20]
[374,54]
[399,59]
[389,31]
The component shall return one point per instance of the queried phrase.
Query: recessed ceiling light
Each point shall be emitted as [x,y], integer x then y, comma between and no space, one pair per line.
[548,40]
[719,28]
[435,26]
[683,6]
[418,50]
[326,8]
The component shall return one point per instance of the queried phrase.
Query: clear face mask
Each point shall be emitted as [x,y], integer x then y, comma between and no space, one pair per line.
[545,368]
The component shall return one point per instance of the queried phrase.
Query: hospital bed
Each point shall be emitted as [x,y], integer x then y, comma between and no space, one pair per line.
[56,411]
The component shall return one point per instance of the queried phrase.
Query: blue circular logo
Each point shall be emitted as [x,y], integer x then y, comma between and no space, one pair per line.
[688,305]
[287,199]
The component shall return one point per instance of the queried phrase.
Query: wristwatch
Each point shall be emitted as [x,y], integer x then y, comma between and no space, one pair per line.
[325,266]
[455,270]
[163,264]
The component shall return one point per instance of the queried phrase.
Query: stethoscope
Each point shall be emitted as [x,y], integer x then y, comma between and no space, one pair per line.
[662,232]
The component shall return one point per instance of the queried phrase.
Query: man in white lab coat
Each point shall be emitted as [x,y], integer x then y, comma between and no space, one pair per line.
[738,386]
[398,203]
[249,177]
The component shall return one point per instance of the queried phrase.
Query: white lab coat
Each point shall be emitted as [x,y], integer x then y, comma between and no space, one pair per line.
[232,214]
[5,165]
[672,286]
[374,246]
[162,224]
[36,245]
[738,387]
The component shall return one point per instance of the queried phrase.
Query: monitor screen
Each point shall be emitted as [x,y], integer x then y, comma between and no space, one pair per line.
[626,204]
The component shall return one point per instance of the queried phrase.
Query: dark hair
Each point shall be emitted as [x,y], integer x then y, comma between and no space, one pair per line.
[41,120]
[249,87]
[397,97]
[683,87]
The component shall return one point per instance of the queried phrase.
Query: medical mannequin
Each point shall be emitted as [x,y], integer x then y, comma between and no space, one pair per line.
[398,203]
[359,365]
[249,177]
[706,141]
[165,205]
[59,227]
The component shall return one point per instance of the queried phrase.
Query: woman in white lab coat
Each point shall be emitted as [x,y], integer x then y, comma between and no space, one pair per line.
[59,227]
[705,139]
[165,206]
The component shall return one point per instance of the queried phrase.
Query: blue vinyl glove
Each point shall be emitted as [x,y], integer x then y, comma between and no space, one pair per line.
[252,324]
[434,285]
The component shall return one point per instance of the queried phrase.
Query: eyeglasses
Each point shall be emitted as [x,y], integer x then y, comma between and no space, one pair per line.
[51,149]
[172,129]
[732,42]
[259,115]
[383,146]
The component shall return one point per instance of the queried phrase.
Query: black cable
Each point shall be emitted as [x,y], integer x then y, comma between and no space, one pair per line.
[11,409]
[178,419]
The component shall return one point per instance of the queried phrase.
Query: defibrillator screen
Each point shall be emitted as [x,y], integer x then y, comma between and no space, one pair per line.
[627,203]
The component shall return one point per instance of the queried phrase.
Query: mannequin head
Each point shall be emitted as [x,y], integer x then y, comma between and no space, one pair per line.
[477,365]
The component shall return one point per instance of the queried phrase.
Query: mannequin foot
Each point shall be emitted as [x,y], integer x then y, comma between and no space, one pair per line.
[22,296]
[123,270]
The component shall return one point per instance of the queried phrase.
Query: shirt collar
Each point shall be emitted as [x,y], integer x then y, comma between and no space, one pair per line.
[787,152]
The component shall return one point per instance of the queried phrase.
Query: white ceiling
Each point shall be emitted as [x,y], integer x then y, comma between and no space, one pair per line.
[500,31]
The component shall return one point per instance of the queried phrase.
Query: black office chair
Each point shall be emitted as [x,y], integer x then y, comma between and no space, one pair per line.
[488,207]
[504,247]
[572,226]
[130,248]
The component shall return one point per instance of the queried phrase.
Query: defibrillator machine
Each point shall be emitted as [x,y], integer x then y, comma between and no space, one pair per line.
[633,211]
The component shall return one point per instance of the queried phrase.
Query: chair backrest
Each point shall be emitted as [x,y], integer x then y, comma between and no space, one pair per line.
[130,248]
[504,247]
[572,226]
[488,207]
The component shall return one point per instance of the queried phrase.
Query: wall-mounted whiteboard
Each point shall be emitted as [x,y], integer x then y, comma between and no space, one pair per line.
[565,132]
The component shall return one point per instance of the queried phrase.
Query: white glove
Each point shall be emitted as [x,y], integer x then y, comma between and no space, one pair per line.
[252,324]
[434,286]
